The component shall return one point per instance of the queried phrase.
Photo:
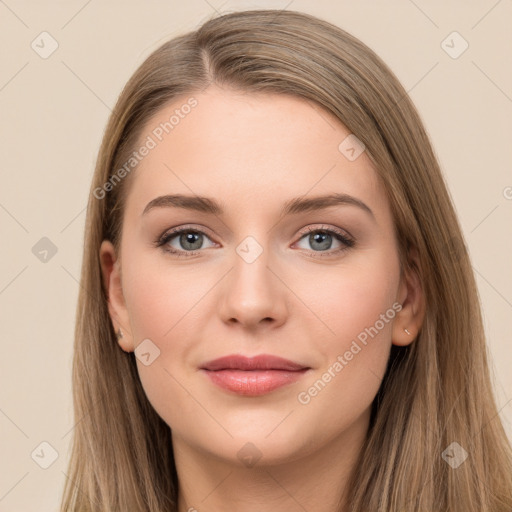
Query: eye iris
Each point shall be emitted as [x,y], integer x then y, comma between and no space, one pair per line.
[190,238]
[321,237]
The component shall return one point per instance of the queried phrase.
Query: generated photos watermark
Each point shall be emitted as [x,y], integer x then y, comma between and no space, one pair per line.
[305,397]
[151,142]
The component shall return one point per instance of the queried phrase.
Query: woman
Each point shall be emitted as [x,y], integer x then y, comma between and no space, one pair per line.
[277,308]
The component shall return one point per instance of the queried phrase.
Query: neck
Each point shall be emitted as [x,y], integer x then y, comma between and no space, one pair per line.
[314,482]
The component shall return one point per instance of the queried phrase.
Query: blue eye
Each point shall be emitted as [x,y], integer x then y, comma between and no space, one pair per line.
[321,240]
[187,241]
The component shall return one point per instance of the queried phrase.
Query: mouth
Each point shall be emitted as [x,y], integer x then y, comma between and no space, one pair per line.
[253,376]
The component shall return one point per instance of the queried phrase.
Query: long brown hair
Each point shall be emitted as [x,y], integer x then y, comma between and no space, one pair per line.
[436,391]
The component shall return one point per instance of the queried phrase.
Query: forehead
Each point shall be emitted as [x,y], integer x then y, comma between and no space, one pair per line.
[244,148]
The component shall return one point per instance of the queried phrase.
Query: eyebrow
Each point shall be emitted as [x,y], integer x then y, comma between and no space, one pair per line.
[291,207]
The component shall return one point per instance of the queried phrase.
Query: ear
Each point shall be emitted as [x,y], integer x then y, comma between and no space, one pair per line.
[111,271]
[412,299]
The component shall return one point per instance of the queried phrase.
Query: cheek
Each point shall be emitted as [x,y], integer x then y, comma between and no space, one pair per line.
[351,299]
[355,353]
[355,305]
[169,307]
[160,299]
[164,308]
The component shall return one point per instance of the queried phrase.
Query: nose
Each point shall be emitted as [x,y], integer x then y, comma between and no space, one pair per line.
[252,294]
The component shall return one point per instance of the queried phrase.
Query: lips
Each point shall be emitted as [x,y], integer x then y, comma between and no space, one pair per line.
[261,362]
[252,376]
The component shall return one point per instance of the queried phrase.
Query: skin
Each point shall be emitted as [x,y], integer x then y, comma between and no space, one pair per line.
[252,153]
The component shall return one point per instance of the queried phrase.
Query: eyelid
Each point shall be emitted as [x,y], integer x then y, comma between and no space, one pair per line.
[175,231]
[325,227]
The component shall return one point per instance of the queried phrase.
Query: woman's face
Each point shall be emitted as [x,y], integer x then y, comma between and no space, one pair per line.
[263,267]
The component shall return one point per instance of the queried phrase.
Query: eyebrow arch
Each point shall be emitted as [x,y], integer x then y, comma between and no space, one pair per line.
[291,207]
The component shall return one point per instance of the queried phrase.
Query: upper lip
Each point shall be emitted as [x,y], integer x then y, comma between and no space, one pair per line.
[260,362]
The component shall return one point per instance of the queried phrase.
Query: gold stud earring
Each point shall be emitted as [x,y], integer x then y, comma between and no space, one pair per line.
[119,334]
[407,331]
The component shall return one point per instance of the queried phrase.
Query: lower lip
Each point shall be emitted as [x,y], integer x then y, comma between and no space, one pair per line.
[253,382]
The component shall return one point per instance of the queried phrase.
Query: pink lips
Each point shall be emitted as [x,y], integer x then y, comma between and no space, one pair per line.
[253,376]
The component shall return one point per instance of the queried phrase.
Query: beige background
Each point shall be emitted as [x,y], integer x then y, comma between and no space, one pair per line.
[53,113]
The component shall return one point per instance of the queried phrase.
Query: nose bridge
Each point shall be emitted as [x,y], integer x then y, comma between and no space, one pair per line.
[252,292]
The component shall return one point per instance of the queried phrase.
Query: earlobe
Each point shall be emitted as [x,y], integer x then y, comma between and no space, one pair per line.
[111,275]
[409,320]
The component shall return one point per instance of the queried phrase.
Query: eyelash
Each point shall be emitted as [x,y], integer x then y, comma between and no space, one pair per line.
[339,235]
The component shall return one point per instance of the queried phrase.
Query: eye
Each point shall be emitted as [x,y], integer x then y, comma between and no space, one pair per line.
[187,241]
[321,239]
[183,241]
